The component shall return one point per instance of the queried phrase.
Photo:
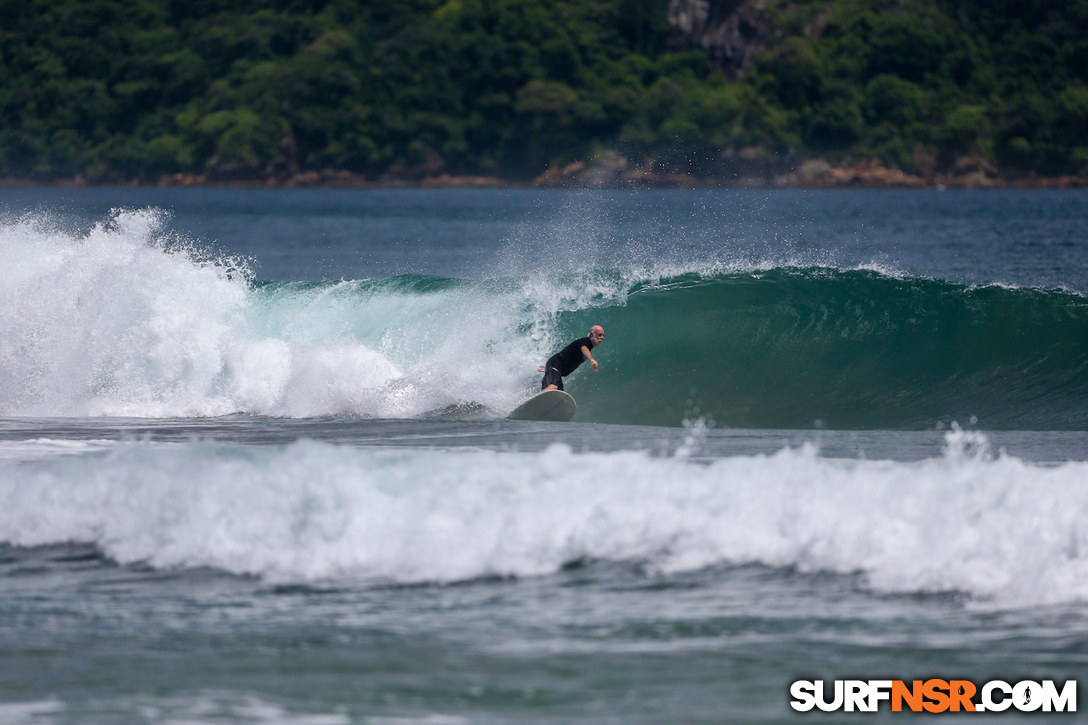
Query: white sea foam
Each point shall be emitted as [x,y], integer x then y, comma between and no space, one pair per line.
[990,525]
[127,321]
[44,447]
[202,707]
[33,711]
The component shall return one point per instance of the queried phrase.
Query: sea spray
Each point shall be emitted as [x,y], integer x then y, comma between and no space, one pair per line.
[113,321]
[123,321]
[126,320]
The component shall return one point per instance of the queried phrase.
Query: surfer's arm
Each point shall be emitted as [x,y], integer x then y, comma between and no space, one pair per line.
[589,356]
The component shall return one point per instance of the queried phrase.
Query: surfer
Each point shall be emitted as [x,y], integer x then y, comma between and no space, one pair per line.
[565,361]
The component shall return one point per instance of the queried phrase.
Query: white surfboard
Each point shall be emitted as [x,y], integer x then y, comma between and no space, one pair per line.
[552,405]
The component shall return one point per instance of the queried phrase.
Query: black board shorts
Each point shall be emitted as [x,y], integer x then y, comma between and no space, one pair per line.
[551,376]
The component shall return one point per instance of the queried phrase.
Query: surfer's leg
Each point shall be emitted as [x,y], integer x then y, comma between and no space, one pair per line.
[552,380]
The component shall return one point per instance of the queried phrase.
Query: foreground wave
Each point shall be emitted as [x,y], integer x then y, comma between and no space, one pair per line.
[966,521]
[125,322]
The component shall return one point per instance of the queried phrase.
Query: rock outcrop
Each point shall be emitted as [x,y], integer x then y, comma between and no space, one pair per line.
[731,32]
[613,170]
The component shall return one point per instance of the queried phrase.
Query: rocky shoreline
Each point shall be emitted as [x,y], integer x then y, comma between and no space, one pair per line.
[614,171]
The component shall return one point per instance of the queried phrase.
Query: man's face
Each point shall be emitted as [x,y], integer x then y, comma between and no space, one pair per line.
[596,335]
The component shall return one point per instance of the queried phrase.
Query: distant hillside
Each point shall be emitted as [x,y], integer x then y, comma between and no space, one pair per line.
[612,91]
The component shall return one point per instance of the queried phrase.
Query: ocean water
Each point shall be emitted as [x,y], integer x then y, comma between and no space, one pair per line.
[254,466]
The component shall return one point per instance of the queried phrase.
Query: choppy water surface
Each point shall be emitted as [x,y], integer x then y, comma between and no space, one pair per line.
[255,467]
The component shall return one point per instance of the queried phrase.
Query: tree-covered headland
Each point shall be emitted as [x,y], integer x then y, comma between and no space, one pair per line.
[254,90]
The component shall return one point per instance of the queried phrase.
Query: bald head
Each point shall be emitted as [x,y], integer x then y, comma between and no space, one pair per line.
[596,335]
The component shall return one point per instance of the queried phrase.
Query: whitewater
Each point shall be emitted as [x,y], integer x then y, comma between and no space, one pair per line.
[129,320]
[123,321]
[255,468]
[311,512]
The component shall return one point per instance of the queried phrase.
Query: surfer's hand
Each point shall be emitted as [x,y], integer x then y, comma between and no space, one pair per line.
[594,364]
[540,369]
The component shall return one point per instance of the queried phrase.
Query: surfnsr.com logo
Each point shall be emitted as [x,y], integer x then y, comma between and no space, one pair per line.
[933,695]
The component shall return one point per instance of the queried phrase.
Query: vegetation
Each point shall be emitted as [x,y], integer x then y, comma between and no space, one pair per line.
[131,89]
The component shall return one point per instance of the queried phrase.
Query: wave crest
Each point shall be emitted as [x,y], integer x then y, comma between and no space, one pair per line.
[967,521]
[127,321]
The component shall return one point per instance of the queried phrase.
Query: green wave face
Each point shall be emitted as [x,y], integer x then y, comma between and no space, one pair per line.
[797,348]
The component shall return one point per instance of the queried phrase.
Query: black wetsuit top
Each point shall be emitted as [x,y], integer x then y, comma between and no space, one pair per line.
[570,357]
